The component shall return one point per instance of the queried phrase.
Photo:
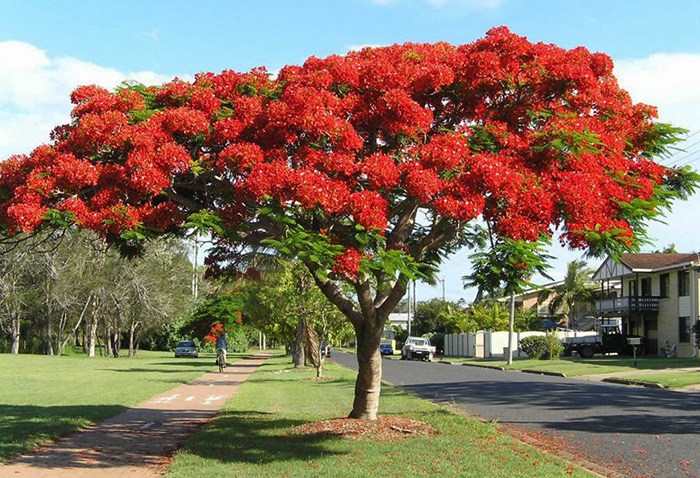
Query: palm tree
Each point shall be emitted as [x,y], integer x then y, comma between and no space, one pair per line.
[577,289]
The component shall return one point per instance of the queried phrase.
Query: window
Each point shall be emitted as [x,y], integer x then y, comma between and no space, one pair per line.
[684,329]
[633,288]
[646,286]
[683,283]
[664,285]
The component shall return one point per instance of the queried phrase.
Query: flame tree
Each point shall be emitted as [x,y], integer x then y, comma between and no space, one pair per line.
[368,167]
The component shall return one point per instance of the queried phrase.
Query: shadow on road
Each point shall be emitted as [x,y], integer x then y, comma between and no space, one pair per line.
[620,408]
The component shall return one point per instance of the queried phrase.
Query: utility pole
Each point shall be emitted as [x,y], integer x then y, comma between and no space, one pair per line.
[511,321]
[195,278]
[415,303]
[443,288]
[408,298]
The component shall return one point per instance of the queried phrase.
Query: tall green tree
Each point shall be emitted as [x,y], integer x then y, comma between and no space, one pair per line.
[436,316]
[577,290]
[285,305]
[15,292]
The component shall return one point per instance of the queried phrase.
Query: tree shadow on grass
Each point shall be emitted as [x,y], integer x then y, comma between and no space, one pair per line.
[138,437]
[253,437]
[24,427]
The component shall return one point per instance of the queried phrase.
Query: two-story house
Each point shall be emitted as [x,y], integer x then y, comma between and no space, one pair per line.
[655,295]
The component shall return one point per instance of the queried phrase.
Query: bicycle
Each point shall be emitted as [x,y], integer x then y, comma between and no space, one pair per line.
[221,359]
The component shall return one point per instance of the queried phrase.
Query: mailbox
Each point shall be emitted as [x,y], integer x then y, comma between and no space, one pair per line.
[634,340]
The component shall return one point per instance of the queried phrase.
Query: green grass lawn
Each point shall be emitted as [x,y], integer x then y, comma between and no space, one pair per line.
[596,365]
[669,380]
[251,436]
[43,398]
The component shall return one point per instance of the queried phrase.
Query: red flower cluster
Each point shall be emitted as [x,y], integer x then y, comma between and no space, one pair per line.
[216,330]
[529,136]
[348,263]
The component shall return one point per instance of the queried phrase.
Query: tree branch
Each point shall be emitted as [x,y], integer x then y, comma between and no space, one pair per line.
[333,293]
[406,212]
[191,204]
[443,231]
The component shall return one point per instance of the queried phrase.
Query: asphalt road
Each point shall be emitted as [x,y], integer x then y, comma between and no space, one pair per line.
[631,430]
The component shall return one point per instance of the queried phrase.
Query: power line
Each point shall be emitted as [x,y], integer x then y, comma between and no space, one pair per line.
[683,152]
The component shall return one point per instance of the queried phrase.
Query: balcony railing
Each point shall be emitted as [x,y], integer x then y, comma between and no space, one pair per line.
[627,305]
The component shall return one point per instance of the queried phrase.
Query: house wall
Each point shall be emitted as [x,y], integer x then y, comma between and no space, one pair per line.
[671,309]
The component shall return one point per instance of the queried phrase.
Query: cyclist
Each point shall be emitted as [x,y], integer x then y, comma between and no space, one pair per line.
[221,344]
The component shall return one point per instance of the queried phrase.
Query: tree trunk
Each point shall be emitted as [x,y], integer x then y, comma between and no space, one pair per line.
[312,347]
[298,356]
[59,334]
[83,332]
[132,333]
[92,337]
[369,374]
[49,335]
[108,340]
[62,345]
[14,333]
[117,343]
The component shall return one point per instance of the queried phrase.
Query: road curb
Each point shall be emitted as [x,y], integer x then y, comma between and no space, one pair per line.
[638,383]
[544,372]
[492,367]
[446,362]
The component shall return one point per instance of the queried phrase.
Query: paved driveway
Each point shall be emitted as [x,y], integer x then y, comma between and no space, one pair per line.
[635,431]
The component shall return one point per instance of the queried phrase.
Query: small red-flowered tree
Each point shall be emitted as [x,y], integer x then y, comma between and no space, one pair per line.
[367,167]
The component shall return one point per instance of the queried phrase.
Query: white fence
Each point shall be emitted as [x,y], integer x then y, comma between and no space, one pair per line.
[484,344]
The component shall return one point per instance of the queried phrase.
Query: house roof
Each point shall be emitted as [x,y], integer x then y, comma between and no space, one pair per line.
[656,260]
[643,262]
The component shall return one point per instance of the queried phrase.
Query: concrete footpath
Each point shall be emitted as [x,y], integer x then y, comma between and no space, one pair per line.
[138,442]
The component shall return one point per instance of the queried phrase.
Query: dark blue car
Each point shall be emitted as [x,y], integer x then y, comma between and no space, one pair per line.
[386,349]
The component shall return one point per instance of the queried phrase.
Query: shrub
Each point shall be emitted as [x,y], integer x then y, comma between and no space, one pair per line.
[238,342]
[438,340]
[546,347]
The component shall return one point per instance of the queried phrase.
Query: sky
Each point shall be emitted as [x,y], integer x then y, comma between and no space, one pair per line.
[47,48]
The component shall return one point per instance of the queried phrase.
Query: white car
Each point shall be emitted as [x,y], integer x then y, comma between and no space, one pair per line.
[186,348]
[417,347]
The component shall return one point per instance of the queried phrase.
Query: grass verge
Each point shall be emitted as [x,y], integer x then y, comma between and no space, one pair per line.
[251,436]
[670,379]
[597,365]
[43,398]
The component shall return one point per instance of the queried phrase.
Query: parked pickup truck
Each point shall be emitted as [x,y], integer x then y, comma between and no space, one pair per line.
[609,340]
[417,347]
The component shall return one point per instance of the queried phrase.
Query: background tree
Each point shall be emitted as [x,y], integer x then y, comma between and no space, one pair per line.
[577,289]
[15,292]
[436,315]
[527,319]
[488,316]
[288,312]
[224,305]
[367,167]
[57,286]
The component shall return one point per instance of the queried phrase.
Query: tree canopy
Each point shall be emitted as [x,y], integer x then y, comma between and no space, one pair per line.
[368,167]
